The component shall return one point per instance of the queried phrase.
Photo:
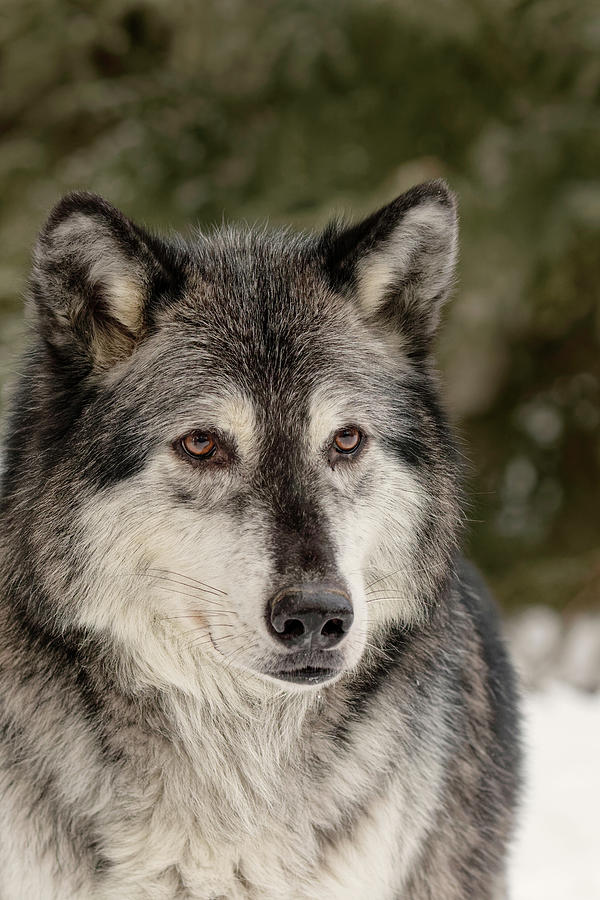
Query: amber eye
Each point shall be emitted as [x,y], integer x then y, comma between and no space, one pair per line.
[347,440]
[199,445]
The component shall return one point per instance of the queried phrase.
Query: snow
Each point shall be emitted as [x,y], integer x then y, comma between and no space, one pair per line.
[557,852]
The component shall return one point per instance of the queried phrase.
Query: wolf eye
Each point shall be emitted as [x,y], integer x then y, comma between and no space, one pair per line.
[199,445]
[347,440]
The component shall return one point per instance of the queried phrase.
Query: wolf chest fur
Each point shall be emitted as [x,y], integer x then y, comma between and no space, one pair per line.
[242,655]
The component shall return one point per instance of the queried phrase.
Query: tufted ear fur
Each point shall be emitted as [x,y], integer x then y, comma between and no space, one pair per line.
[399,263]
[93,273]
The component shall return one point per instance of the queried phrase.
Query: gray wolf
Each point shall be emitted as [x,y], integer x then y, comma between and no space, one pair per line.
[242,655]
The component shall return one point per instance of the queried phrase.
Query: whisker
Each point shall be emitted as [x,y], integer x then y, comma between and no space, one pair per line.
[209,639]
[407,570]
[380,592]
[202,584]
[191,597]
[388,575]
[230,657]
[170,580]
[389,597]
[201,612]
[197,644]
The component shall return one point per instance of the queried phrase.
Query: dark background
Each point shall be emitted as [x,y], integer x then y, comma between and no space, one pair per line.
[188,112]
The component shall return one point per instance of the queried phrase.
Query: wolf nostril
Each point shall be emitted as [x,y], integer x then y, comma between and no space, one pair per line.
[310,616]
[293,628]
[334,626]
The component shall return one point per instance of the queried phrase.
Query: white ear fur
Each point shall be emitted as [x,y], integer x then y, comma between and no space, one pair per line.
[416,259]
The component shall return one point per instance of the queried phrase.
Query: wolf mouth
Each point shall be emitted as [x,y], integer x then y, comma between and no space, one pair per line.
[306,675]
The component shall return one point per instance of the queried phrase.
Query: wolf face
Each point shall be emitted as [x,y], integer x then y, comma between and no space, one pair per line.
[240,458]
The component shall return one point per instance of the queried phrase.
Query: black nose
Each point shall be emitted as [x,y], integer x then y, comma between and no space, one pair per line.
[315,616]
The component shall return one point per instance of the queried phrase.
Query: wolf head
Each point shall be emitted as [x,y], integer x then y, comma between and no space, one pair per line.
[229,452]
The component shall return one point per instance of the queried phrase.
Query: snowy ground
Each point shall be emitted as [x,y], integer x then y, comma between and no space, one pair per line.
[557,852]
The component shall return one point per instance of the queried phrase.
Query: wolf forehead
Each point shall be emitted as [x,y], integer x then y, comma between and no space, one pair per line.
[274,314]
[258,312]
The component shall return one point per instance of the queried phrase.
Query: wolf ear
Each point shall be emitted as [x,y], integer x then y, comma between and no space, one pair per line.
[399,263]
[93,271]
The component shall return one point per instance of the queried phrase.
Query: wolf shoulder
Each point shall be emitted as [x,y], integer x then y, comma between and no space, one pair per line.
[483,613]
[475,597]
